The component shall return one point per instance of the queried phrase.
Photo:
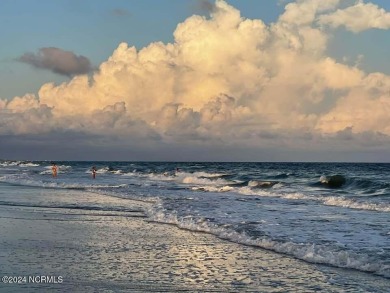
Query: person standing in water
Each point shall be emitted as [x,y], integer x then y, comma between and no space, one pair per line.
[93,172]
[54,170]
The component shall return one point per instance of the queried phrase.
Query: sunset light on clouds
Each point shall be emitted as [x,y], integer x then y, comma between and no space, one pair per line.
[227,88]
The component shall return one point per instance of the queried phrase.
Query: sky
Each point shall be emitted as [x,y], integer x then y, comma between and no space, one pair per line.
[195,80]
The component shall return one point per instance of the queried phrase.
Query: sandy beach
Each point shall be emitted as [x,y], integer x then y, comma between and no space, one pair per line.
[97,250]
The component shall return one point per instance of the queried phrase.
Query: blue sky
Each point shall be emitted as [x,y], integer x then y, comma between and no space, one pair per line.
[91,28]
[286,81]
[95,28]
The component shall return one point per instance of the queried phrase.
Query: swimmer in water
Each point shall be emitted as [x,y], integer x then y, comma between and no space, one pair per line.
[54,170]
[93,172]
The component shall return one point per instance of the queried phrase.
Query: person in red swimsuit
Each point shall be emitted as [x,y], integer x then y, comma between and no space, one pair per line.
[54,170]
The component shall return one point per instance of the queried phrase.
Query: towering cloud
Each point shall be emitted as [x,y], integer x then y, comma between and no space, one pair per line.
[224,78]
[58,61]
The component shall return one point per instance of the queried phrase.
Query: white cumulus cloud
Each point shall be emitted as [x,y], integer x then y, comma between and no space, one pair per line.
[359,17]
[224,78]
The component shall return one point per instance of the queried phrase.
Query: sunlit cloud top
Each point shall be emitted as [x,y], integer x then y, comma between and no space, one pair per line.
[225,79]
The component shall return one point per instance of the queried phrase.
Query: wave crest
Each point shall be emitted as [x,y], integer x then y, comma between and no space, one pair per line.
[305,251]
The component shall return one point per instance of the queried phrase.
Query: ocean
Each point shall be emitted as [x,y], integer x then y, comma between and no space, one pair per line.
[336,215]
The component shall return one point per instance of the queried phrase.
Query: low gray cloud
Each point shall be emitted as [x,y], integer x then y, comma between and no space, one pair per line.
[206,6]
[79,145]
[58,61]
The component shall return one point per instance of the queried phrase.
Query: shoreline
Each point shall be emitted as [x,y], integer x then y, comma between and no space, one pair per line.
[95,251]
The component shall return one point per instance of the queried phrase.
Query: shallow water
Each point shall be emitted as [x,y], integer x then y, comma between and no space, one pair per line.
[288,208]
[110,250]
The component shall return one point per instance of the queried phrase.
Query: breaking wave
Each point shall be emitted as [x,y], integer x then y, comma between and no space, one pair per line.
[18,164]
[50,184]
[314,253]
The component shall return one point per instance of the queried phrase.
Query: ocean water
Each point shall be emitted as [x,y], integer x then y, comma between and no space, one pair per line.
[333,214]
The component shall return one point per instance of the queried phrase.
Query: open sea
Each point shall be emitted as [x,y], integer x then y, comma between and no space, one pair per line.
[333,214]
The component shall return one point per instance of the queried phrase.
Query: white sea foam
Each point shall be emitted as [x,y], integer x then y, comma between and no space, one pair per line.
[309,252]
[104,170]
[339,201]
[353,204]
[246,190]
[26,181]
[99,186]
[101,170]
[49,171]
[213,188]
[196,178]
[65,167]
[166,176]
[204,181]
[60,169]
[9,163]
[132,174]
[210,182]
[324,179]
[28,165]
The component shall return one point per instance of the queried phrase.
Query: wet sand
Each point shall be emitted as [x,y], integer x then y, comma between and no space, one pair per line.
[101,251]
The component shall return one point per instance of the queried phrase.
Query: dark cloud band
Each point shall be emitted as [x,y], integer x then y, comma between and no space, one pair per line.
[58,61]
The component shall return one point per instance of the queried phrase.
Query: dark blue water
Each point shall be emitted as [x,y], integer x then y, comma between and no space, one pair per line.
[330,213]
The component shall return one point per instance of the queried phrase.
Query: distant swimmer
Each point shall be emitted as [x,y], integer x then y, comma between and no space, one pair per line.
[93,172]
[54,169]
